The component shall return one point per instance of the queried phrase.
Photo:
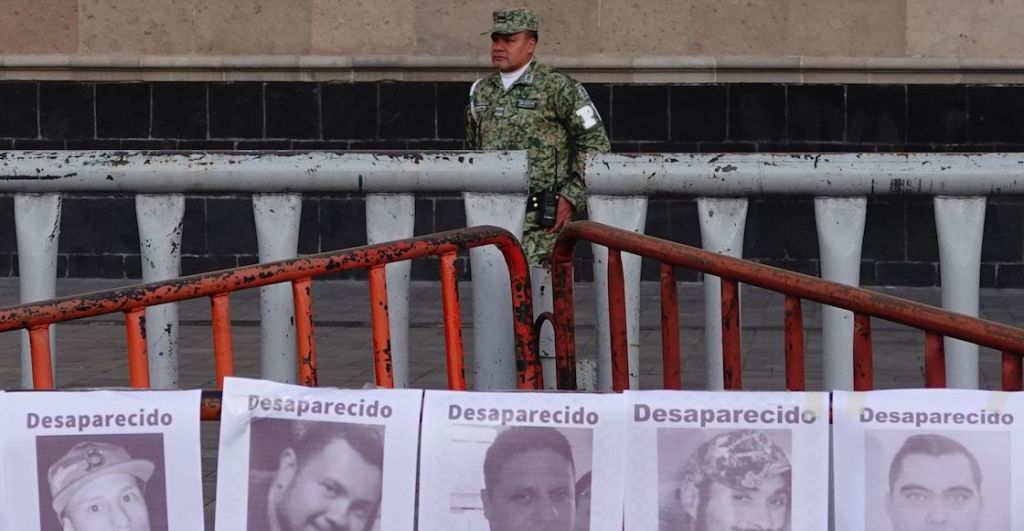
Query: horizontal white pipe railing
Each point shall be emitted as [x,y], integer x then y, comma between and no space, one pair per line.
[840,182]
[261,172]
[493,184]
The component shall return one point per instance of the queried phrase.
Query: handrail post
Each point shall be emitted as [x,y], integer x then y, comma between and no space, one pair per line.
[493,332]
[960,225]
[794,344]
[223,349]
[671,364]
[617,330]
[452,323]
[732,362]
[392,217]
[840,226]
[562,281]
[627,213]
[37,223]
[42,368]
[381,327]
[160,219]
[722,223]
[277,235]
[138,358]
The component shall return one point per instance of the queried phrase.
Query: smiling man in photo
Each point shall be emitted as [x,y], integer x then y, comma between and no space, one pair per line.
[99,487]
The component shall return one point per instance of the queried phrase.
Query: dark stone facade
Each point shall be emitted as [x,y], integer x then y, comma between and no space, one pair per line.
[99,235]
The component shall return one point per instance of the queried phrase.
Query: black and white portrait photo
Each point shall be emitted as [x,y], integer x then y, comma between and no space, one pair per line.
[295,458]
[102,482]
[925,480]
[102,460]
[314,475]
[530,477]
[927,459]
[520,461]
[723,480]
[713,461]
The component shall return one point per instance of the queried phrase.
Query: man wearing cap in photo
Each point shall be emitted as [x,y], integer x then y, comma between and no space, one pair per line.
[99,487]
[528,106]
[736,480]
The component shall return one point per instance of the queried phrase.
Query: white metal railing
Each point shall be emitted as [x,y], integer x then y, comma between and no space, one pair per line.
[493,184]
[619,185]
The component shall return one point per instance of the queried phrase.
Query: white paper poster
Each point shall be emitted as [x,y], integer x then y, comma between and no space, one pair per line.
[521,461]
[921,459]
[717,460]
[295,458]
[84,460]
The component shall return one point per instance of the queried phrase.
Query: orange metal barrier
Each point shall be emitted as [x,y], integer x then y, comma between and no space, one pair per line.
[936,323]
[133,300]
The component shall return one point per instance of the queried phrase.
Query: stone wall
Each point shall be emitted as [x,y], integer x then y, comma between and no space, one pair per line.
[584,28]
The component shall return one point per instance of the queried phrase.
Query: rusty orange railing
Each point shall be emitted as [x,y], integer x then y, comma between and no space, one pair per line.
[133,300]
[936,323]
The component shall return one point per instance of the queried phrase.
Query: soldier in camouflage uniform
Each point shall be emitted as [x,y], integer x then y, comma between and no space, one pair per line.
[525,105]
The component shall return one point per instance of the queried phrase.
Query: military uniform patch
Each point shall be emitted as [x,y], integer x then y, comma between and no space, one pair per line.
[527,104]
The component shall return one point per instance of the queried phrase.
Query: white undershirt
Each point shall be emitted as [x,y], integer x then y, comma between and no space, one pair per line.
[509,78]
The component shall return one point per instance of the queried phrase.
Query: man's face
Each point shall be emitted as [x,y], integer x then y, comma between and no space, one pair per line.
[112,502]
[534,491]
[336,490]
[511,52]
[765,508]
[935,492]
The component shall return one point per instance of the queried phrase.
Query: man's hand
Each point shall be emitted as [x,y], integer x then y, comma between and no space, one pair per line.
[563,216]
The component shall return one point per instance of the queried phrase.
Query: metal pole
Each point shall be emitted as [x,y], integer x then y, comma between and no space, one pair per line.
[840,225]
[628,213]
[262,172]
[494,358]
[832,174]
[960,223]
[722,222]
[392,217]
[277,234]
[37,225]
[160,224]
[540,281]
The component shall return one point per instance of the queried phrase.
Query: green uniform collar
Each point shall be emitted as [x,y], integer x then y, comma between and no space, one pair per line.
[529,77]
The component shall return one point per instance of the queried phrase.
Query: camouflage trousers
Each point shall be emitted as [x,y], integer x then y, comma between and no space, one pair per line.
[537,242]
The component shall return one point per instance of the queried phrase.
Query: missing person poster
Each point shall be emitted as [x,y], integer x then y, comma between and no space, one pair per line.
[521,462]
[704,461]
[928,459]
[82,460]
[295,458]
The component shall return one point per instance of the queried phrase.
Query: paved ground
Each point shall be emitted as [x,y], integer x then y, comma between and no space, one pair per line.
[90,353]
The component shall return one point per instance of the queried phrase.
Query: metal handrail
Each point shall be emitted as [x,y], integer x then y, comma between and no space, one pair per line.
[133,300]
[936,322]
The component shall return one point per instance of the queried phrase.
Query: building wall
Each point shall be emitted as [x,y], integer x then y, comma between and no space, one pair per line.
[667,75]
[99,236]
[585,28]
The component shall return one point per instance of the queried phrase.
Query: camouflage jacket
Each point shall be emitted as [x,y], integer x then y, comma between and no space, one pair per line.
[546,113]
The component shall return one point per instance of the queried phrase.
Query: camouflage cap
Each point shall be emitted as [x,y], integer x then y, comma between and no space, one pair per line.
[509,21]
[738,459]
